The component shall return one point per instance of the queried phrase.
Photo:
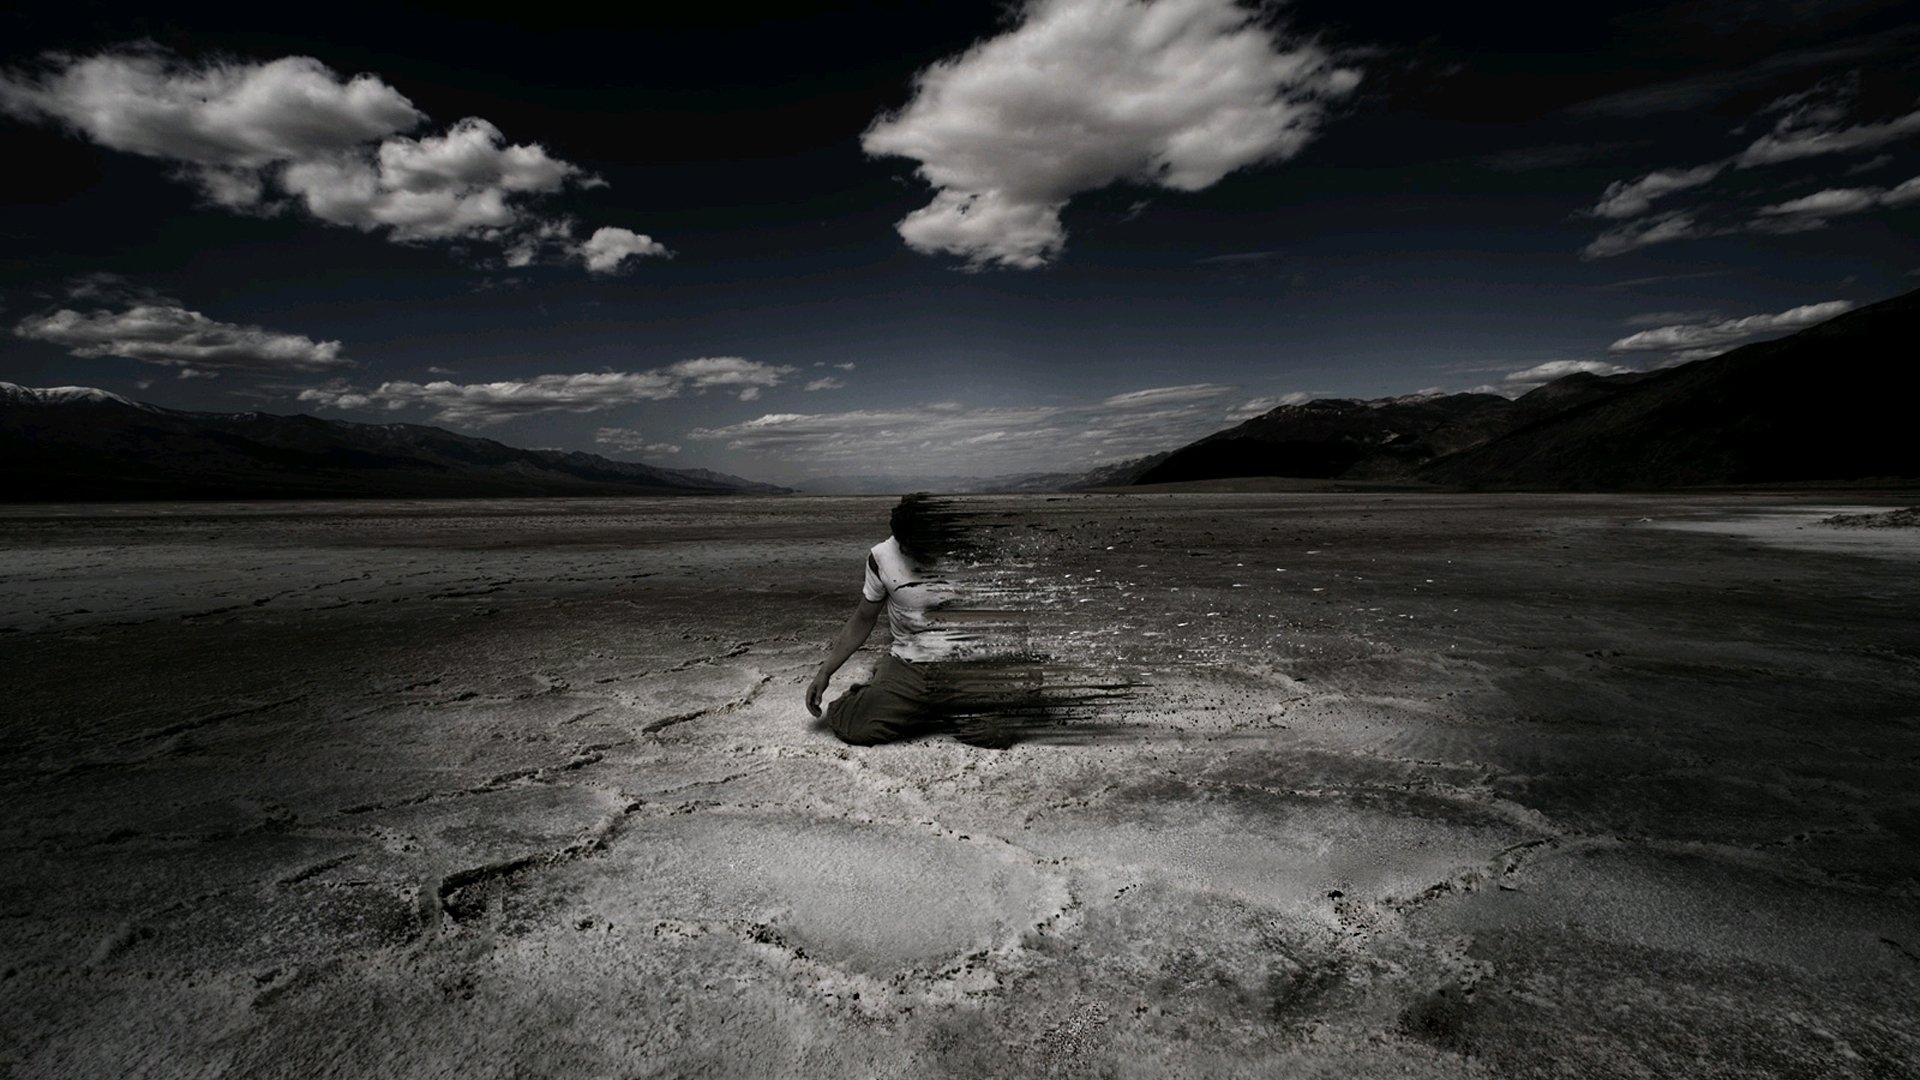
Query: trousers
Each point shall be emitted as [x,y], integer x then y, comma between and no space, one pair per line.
[906,699]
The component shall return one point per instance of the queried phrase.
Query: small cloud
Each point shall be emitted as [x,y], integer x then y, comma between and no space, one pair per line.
[1541,374]
[1631,198]
[608,247]
[847,366]
[494,402]
[1811,131]
[1161,395]
[825,384]
[1729,331]
[1676,225]
[1833,202]
[169,334]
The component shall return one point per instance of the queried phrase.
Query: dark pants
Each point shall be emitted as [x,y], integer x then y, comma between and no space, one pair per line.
[907,699]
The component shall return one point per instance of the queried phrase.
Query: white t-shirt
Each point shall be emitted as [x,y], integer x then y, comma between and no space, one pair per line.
[912,596]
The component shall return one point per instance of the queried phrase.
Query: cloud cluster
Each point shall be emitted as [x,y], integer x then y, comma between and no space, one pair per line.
[948,437]
[494,402]
[260,137]
[161,331]
[1810,124]
[1085,93]
[1697,340]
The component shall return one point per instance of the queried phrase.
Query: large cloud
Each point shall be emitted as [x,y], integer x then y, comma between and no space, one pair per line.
[163,332]
[1724,332]
[1084,93]
[257,137]
[493,402]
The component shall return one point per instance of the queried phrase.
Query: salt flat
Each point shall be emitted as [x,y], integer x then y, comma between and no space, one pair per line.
[1408,785]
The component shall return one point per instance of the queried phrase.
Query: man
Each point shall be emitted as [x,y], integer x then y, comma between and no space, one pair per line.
[914,688]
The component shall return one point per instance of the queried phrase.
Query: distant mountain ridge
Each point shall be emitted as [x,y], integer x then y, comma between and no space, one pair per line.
[1816,405]
[73,443]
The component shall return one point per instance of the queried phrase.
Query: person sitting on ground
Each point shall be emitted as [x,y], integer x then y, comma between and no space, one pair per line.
[911,692]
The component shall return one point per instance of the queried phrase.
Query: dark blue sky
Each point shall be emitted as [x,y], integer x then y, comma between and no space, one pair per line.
[1125,224]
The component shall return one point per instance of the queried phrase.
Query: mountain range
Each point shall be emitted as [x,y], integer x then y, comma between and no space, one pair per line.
[78,443]
[1818,405]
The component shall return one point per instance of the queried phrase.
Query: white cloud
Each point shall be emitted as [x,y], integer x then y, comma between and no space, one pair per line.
[221,116]
[1728,331]
[1162,395]
[166,333]
[491,403]
[258,137]
[847,366]
[1638,234]
[1683,356]
[1085,93]
[609,246]
[1802,135]
[1541,374]
[1836,201]
[828,383]
[1631,198]
[629,441]
[1260,406]
[747,377]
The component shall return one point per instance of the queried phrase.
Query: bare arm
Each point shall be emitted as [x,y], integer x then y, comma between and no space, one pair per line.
[852,636]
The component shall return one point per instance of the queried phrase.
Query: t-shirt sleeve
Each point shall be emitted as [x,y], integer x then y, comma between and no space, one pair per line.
[875,590]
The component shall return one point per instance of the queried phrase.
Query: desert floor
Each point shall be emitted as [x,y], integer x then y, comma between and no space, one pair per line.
[1410,785]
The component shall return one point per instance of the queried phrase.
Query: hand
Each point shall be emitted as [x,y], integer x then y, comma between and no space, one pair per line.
[815,689]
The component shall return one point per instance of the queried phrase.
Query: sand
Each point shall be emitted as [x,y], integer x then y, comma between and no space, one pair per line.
[1413,785]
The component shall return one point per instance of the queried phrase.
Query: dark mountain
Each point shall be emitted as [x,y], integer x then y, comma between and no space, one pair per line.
[1816,405]
[1339,437]
[74,443]
[1118,474]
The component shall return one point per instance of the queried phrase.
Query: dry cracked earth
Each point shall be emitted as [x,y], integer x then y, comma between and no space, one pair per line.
[1408,786]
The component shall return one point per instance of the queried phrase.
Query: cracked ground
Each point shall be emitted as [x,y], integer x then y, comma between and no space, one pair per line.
[1407,785]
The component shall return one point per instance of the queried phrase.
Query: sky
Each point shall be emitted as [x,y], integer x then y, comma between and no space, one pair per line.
[951,239]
